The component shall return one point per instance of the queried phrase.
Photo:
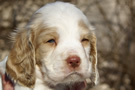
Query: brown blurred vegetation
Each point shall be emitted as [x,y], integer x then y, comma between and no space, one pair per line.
[115,29]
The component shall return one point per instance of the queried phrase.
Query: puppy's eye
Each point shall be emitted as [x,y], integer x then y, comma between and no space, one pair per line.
[51,41]
[84,39]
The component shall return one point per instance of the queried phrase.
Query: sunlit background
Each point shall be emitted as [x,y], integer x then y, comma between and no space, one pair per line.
[114,21]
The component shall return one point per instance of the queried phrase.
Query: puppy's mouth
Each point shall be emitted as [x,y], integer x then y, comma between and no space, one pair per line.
[72,74]
[77,81]
[74,77]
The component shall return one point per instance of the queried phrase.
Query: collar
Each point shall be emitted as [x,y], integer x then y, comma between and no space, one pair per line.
[8,84]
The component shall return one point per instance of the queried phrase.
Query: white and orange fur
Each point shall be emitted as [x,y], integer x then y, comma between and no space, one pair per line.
[38,58]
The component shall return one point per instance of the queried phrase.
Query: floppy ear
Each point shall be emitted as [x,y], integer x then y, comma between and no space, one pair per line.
[93,58]
[21,61]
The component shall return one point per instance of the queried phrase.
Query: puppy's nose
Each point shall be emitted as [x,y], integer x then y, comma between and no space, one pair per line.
[73,61]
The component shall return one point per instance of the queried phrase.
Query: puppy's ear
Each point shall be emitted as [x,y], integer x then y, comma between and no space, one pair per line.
[93,58]
[21,61]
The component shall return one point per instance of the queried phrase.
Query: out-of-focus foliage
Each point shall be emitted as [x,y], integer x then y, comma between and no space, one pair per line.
[114,21]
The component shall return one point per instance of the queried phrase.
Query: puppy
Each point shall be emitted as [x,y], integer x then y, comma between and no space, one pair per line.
[56,50]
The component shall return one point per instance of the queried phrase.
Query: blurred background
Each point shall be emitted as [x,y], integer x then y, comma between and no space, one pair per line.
[114,21]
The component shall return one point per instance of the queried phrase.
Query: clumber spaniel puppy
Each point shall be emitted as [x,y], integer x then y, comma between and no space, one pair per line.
[55,51]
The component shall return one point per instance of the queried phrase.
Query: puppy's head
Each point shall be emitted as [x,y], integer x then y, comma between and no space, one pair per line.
[60,42]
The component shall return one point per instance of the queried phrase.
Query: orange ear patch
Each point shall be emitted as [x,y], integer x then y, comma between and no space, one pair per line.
[21,61]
